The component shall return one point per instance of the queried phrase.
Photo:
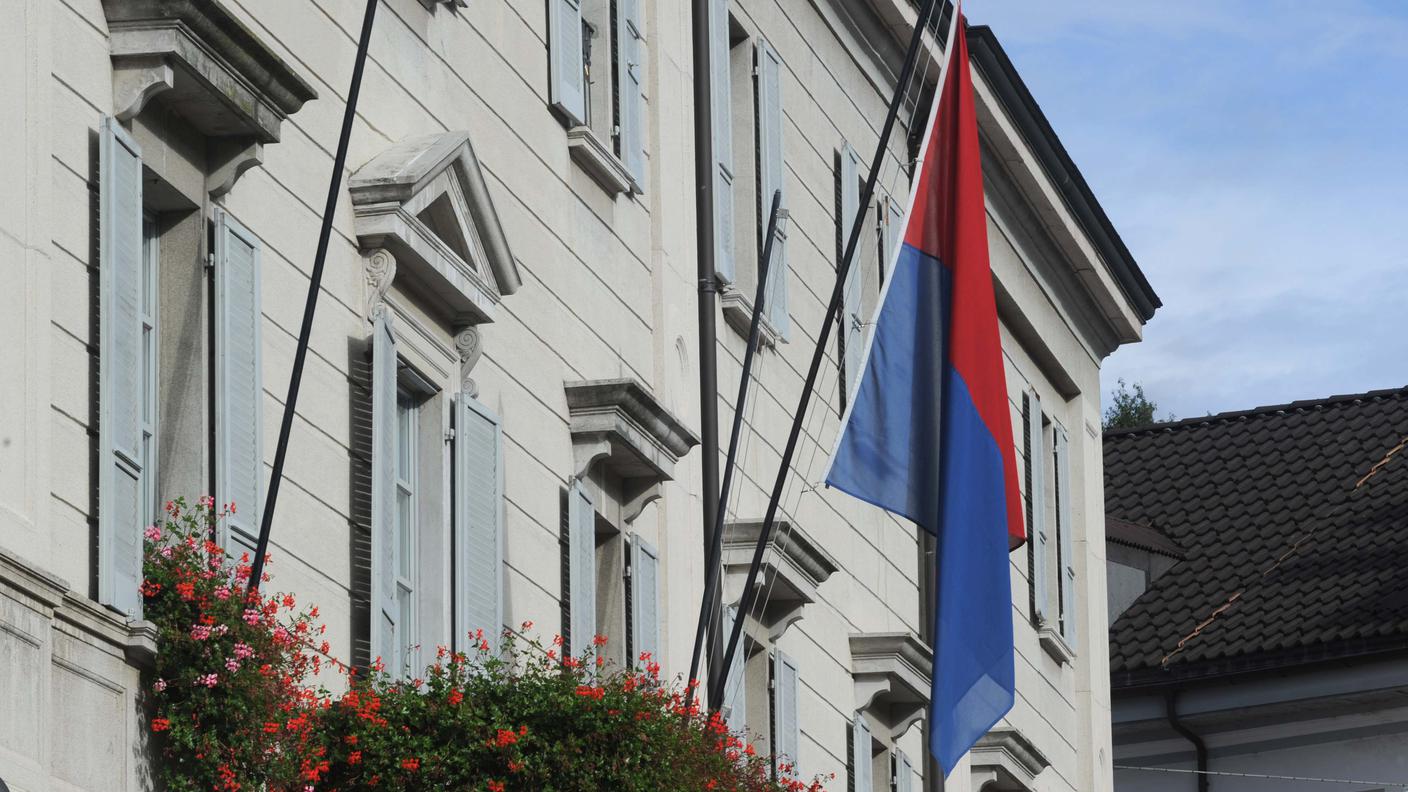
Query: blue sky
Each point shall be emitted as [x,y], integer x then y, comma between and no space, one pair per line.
[1254,156]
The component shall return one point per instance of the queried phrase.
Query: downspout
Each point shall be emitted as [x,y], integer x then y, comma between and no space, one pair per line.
[1200,748]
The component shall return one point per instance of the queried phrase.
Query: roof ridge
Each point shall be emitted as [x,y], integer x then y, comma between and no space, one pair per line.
[1231,415]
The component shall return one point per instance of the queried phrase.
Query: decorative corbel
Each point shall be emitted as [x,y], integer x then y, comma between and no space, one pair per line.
[637,498]
[229,159]
[470,346]
[379,267]
[136,80]
[586,453]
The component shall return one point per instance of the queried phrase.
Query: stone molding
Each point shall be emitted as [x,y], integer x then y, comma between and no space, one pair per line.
[1004,760]
[389,195]
[738,313]
[793,567]
[892,672]
[598,161]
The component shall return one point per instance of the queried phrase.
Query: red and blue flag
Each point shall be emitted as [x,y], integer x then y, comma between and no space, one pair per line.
[928,434]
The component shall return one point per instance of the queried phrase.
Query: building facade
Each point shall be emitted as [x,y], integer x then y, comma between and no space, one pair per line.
[1297,509]
[501,400]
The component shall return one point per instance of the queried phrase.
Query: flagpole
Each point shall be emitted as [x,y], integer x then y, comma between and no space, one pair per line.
[819,353]
[315,282]
[708,611]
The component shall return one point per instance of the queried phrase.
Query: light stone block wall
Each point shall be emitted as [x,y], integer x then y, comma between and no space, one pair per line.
[608,291]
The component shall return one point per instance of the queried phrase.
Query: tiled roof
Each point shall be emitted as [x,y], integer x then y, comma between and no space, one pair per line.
[1140,537]
[1235,491]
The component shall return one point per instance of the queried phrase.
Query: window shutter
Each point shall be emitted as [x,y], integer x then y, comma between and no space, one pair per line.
[630,35]
[645,597]
[788,729]
[566,79]
[120,489]
[239,465]
[1036,495]
[894,232]
[384,610]
[852,322]
[581,519]
[770,178]
[862,775]
[904,773]
[735,687]
[1066,565]
[478,521]
[722,87]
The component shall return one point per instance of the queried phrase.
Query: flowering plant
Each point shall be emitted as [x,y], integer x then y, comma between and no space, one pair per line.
[234,708]
[230,699]
[528,719]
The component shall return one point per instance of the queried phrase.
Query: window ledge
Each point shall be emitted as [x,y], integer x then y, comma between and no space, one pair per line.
[738,313]
[1055,645]
[596,158]
[1004,760]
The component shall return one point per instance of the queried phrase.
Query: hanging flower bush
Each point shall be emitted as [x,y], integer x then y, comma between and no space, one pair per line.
[232,706]
[235,710]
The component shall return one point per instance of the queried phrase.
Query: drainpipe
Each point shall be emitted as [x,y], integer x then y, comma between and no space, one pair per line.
[1200,748]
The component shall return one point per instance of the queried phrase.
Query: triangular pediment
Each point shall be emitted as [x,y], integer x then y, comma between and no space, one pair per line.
[425,200]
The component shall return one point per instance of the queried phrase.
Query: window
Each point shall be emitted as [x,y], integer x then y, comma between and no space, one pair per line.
[1065,537]
[755,144]
[407,425]
[1046,473]
[596,73]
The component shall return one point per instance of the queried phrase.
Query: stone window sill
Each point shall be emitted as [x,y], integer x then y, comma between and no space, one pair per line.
[1055,645]
[596,158]
[738,313]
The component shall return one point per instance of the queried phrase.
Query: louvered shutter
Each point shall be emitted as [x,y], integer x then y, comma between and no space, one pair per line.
[1066,566]
[722,114]
[478,521]
[384,610]
[1036,478]
[630,32]
[862,776]
[120,485]
[239,461]
[894,228]
[770,178]
[851,313]
[581,518]
[645,598]
[735,686]
[566,78]
[789,736]
[904,773]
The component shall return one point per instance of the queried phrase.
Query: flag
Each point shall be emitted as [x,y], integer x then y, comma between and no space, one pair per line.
[928,434]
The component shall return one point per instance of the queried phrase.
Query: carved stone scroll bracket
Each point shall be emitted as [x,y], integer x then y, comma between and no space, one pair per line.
[470,346]
[136,80]
[229,159]
[586,452]
[639,494]
[379,267]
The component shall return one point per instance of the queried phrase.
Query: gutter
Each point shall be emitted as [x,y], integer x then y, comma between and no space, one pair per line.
[1200,748]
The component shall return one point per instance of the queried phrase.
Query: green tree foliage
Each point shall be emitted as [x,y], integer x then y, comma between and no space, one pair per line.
[1129,407]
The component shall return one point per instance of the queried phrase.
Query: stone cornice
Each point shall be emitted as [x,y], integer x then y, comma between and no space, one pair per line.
[892,676]
[645,439]
[1004,759]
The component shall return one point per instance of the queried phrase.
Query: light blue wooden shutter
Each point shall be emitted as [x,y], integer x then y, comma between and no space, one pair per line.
[645,598]
[1066,565]
[1036,459]
[581,522]
[384,609]
[904,773]
[722,87]
[735,685]
[789,736]
[239,461]
[771,178]
[120,484]
[567,86]
[894,232]
[852,321]
[862,773]
[478,521]
[630,33]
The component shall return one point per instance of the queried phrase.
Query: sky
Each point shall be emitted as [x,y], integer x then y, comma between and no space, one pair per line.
[1253,154]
